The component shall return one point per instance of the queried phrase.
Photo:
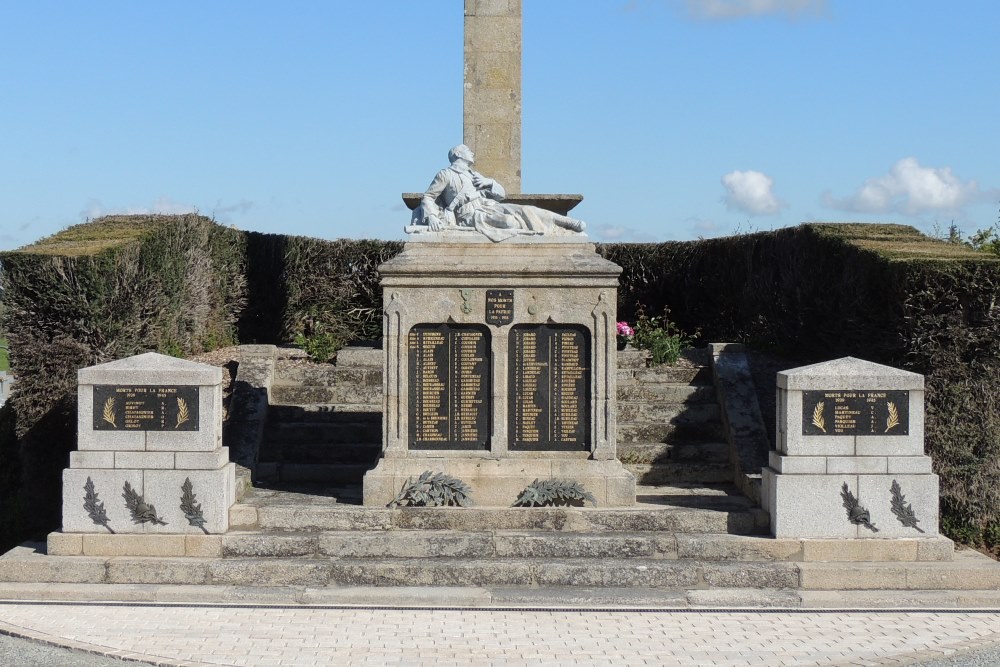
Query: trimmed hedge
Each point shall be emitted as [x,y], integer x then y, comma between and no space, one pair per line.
[885,293]
[309,287]
[123,285]
[101,291]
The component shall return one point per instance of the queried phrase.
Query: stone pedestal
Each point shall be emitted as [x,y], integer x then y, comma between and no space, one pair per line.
[500,367]
[149,457]
[850,454]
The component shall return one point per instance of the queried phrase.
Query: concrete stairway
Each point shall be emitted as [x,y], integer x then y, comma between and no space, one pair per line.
[324,422]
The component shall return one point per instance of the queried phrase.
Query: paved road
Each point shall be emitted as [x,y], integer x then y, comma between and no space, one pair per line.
[217,635]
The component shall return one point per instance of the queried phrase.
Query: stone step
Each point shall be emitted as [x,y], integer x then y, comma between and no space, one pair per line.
[548,544]
[353,393]
[326,412]
[698,375]
[367,428]
[663,411]
[322,572]
[968,571]
[628,411]
[449,544]
[361,453]
[321,473]
[723,514]
[466,597]
[666,393]
[346,394]
[328,375]
[686,426]
[661,452]
[360,355]
[635,358]
[688,472]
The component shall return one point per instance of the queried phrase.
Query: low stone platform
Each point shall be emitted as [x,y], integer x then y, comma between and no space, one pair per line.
[679,546]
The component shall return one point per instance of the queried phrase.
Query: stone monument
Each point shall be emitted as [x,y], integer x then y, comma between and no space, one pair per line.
[500,349]
[850,456]
[491,101]
[149,457]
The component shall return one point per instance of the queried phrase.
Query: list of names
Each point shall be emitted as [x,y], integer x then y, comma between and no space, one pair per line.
[549,385]
[449,382]
[145,408]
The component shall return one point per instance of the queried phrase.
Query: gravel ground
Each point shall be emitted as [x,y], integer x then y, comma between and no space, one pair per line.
[29,653]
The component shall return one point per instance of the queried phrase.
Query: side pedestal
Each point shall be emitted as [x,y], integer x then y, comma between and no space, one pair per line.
[150,459]
[850,457]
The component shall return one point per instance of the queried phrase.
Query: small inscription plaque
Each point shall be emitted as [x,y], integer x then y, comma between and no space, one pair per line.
[449,392]
[499,306]
[549,388]
[145,408]
[855,412]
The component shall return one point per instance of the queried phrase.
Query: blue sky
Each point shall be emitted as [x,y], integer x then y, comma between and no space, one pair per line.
[674,118]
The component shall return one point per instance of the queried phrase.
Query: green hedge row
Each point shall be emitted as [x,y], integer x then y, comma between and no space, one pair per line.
[885,293]
[97,292]
[304,286]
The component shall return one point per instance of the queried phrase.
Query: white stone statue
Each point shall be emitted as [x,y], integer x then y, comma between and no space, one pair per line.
[460,199]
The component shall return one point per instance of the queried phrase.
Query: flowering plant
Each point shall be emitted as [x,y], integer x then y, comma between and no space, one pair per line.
[625,334]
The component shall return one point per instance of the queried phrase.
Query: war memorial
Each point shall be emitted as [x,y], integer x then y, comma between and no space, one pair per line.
[496,447]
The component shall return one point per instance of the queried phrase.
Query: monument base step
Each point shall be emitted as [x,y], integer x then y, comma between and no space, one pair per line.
[509,544]
[971,579]
[673,509]
[502,597]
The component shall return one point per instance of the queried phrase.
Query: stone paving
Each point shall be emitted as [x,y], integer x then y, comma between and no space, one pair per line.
[262,636]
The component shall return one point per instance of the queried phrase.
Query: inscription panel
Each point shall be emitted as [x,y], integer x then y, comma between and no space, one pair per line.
[549,388]
[855,412]
[499,306]
[145,408]
[449,386]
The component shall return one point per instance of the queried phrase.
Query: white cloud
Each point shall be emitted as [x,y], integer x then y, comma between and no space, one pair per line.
[720,10]
[750,192]
[620,233]
[95,209]
[225,212]
[703,227]
[910,189]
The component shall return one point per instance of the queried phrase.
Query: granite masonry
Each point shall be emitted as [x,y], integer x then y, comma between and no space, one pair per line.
[150,457]
[500,367]
[850,454]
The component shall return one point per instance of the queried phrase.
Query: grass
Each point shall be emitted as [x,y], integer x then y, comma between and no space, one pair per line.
[4,359]
[93,237]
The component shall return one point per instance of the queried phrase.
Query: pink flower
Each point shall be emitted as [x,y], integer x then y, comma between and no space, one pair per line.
[625,330]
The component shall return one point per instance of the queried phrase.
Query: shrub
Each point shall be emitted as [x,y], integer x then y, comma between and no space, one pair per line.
[885,293]
[664,340]
[101,291]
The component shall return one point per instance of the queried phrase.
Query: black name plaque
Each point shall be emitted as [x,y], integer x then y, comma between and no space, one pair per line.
[549,388]
[449,403]
[145,408]
[855,412]
[499,306]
